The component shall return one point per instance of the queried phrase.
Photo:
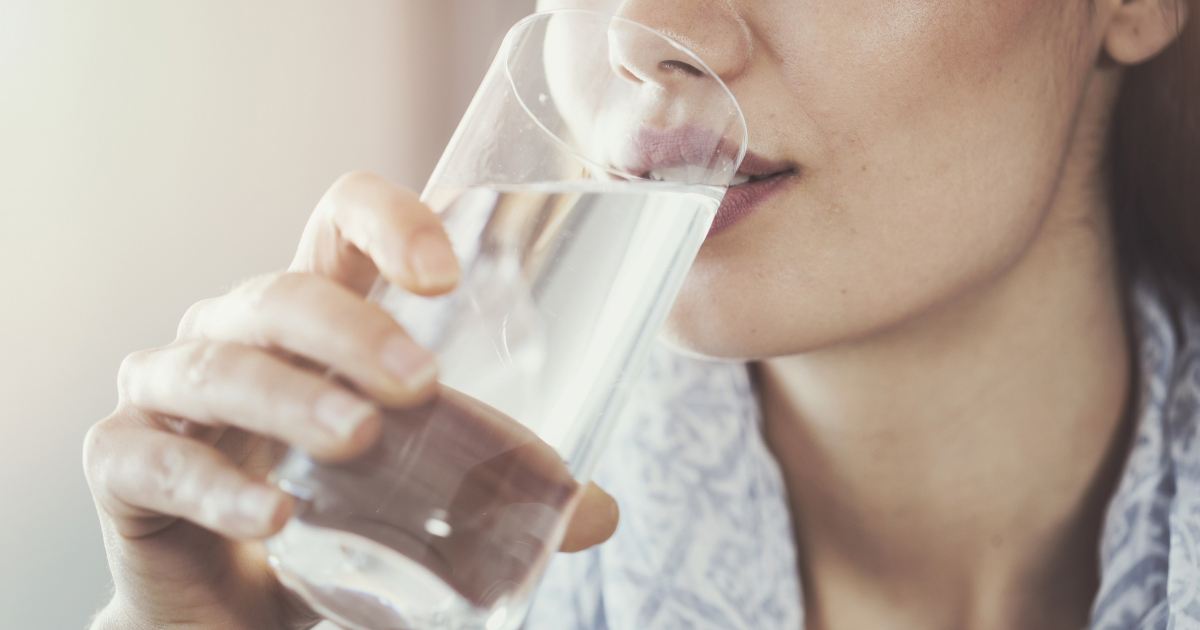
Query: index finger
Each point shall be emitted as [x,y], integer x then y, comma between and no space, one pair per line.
[365,226]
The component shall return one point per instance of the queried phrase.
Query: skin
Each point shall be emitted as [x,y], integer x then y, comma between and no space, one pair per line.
[931,305]
[183,503]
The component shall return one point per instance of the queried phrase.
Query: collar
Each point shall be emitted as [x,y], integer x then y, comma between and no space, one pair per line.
[705,539]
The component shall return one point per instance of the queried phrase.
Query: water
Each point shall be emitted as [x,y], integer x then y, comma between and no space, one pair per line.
[449,515]
[448,521]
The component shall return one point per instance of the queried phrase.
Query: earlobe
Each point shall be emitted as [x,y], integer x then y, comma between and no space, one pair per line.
[1140,29]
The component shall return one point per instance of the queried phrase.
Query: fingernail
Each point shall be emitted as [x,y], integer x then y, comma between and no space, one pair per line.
[409,362]
[432,261]
[342,413]
[257,505]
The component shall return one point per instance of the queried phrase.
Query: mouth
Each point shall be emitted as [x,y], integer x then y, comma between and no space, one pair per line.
[685,154]
[741,179]
[756,180]
[690,155]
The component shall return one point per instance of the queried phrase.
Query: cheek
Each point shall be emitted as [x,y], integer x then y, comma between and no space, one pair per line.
[811,284]
[931,135]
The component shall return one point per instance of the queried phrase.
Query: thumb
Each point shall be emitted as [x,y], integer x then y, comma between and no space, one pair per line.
[365,226]
[594,520]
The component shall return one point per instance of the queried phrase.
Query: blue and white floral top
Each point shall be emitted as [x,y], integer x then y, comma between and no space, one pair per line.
[705,540]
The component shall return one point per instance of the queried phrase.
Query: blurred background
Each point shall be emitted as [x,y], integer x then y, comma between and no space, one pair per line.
[155,153]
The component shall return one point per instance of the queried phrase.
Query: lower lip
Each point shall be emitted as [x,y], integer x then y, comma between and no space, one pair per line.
[742,200]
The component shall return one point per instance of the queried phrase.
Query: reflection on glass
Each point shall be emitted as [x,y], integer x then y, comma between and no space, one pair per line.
[576,193]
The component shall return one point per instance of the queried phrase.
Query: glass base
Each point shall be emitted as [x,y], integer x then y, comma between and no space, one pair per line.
[363,585]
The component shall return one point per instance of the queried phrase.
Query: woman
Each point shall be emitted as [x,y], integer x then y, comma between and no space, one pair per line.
[963,312]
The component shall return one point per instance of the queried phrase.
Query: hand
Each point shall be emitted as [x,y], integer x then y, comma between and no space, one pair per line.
[177,470]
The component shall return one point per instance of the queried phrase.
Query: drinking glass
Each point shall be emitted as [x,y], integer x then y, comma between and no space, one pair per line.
[576,192]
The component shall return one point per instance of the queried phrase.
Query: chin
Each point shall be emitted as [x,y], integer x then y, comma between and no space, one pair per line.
[703,333]
[756,323]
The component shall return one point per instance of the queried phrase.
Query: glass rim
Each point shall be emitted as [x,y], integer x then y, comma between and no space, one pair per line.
[526,22]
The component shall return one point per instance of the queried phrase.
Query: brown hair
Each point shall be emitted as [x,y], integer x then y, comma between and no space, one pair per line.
[1156,161]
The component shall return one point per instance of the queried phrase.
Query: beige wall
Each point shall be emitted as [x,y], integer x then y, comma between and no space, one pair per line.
[153,153]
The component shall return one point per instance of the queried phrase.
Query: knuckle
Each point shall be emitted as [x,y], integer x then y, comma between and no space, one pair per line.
[272,291]
[192,321]
[207,362]
[366,199]
[260,290]
[179,479]
[95,446]
[165,471]
[354,184]
[130,373]
[107,454]
[354,180]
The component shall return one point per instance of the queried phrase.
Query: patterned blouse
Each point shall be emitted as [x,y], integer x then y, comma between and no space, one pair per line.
[705,540]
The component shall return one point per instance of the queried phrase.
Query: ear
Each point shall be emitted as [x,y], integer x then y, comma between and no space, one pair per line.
[1140,29]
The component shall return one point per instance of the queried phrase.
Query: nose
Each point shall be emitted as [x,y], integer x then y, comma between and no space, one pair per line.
[714,31]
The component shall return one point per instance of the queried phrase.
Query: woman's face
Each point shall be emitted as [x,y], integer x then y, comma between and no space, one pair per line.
[926,139]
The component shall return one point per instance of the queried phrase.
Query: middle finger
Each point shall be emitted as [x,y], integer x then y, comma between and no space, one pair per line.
[221,383]
[315,318]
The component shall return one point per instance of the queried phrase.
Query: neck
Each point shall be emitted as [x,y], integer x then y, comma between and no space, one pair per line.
[952,471]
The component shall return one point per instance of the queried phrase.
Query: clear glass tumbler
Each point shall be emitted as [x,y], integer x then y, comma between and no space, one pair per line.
[576,192]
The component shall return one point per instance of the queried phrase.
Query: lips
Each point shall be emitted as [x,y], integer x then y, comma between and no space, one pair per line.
[695,156]
[685,154]
[756,180]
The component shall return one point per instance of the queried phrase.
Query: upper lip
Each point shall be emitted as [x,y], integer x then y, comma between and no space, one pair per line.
[756,166]
[659,154]
[652,152]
